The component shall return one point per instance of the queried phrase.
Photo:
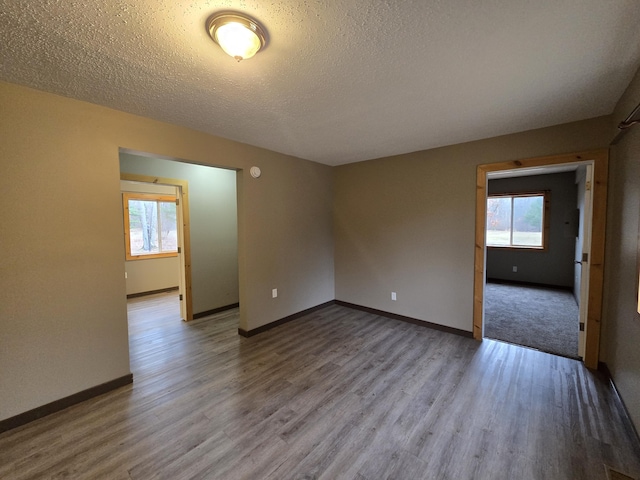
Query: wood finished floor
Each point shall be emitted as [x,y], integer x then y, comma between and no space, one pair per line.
[338,394]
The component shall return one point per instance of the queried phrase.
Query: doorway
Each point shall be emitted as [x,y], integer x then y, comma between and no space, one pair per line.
[208,250]
[168,270]
[594,260]
[532,226]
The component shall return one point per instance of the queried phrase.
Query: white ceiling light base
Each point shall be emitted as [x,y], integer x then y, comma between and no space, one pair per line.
[240,36]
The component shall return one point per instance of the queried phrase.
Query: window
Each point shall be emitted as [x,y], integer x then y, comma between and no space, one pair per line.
[150,226]
[517,221]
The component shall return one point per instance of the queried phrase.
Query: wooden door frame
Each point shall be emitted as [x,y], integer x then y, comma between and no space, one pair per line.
[600,159]
[184,187]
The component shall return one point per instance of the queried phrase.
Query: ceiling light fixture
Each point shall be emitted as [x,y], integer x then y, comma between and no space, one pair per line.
[238,35]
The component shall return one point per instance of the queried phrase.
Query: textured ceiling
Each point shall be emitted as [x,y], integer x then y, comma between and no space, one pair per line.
[339,81]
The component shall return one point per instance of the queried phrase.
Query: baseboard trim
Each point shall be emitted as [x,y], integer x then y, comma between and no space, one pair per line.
[528,284]
[152,292]
[276,323]
[214,311]
[604,370]
[53,407]
[414,321]
[395,316]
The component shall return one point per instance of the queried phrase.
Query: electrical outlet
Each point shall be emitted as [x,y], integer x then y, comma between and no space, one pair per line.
[515,269]
[393,296]
[274,293]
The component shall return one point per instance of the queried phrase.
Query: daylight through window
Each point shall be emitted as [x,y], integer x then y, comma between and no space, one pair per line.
[150,226]
[516,221]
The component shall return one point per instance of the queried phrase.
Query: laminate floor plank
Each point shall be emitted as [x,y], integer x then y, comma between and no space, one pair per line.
[335,394]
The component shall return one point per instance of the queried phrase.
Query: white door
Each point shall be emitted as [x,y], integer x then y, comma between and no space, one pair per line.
[181,276]
[582,259]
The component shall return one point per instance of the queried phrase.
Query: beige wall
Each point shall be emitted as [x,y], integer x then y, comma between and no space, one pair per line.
[152,274]
[406,223]
[621,322]
[403,224]
[63,324]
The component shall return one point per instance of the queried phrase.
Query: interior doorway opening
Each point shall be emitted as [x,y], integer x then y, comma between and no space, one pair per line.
[592,260]
[534,222]
[156,233]
[205,262]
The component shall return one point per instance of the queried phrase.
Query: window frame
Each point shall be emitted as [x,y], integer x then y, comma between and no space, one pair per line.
[126,196]
[545,194]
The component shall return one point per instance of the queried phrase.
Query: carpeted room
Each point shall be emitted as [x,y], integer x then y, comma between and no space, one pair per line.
[532,293]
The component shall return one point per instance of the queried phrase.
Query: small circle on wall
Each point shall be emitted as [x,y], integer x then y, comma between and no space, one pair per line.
[255,172]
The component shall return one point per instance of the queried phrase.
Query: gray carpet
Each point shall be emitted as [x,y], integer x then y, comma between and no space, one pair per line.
[537,317]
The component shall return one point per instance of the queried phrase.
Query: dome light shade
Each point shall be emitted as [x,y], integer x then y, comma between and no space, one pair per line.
[239,36]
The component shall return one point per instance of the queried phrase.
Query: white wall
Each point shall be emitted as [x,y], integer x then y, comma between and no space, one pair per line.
[581,182]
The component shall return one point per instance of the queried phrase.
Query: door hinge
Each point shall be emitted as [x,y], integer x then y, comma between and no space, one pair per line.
[179,250]
[587,186]
[585,257]
[581,326]
[180,297]
[177,201]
